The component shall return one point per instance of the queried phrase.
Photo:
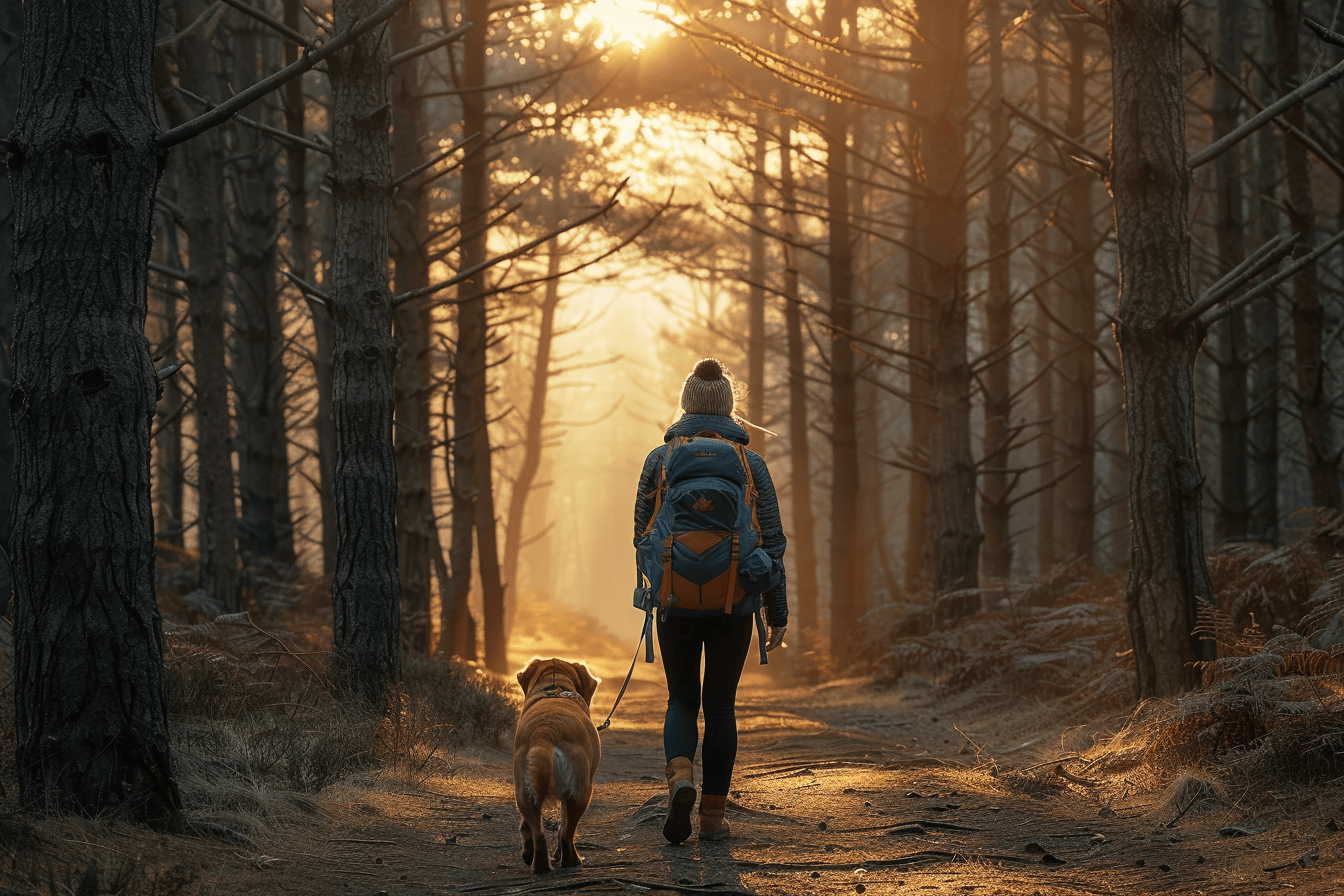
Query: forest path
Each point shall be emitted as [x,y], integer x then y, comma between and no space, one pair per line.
[845,787]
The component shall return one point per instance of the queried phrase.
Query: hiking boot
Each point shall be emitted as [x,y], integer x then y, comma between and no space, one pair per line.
[680,799]
[712,825]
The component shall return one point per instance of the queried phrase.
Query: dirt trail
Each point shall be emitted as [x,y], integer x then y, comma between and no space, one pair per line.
[842,788]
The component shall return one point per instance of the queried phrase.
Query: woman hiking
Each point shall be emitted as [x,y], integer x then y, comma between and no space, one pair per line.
[691,522]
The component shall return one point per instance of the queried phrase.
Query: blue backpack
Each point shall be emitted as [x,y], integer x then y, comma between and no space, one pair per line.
[701,549]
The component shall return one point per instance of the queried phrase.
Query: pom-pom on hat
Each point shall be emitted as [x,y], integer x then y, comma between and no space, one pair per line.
[708,390]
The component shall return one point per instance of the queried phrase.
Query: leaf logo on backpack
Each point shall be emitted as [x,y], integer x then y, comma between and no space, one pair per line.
[701,549]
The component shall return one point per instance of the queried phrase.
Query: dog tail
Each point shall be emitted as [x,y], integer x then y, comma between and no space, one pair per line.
[550,773]
[540,772]
[563,779]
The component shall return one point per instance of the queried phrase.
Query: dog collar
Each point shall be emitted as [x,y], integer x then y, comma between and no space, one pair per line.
[554,690]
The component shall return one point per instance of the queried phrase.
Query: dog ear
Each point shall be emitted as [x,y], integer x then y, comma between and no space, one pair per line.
[528,673]
[587,684]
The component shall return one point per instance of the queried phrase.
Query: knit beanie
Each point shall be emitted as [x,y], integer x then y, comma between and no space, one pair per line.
[708,390]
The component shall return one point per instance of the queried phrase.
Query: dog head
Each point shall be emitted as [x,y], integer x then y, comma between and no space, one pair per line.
[541,673]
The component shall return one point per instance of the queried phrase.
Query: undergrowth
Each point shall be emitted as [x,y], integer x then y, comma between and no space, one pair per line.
[1269,712]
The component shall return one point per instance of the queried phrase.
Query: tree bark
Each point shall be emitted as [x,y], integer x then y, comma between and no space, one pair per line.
[1043,343]
[473,489]
[170,474]
[803,541]
[413,322]
[756,285]
[941,224]
[1077,368]
[1234,411]
[296,185]
[364,590]
[1263,447]
[11,31]
[201,193]
[90,714]
[847,582]
[266,529]
[1314,404]
[1150,184]
[996,498]
[535,420]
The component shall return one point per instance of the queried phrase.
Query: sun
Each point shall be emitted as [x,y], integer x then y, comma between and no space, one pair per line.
[633,22]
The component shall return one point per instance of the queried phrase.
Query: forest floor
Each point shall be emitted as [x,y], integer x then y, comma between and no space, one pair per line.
[844,786]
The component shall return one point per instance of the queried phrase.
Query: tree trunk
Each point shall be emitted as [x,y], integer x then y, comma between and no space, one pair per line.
[1263,515]
[201,193]
[996,503]
[803,543]
[364,590]
[473,491]
[1234,412]
[1150,184]
[296,185]
[11,29]
[534,422]
[756,286]
[941,224]
[1043,342]
[846,579]
[1077,368]
[170,475]
[1309,384]
[413,322]
[266,530]
[89,709]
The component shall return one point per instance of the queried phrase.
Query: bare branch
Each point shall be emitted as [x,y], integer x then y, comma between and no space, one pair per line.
[1266,285]
[272,23]
[408,55]
[1252,266]
[1082,155]
[472,271]
[1266,115]
[310,57]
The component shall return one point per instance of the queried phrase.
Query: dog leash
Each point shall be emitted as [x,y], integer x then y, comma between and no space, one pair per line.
[645,631]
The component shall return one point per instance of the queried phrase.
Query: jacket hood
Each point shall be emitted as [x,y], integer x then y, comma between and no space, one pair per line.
[690,424]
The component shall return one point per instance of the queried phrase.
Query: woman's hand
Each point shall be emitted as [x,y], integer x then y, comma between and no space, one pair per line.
[775,637]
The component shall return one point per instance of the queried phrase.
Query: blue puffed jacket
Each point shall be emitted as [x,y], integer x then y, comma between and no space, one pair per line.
[767,510]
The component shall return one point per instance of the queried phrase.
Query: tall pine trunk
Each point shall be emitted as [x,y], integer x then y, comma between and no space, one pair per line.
[1234,411]
[1150,186]
[364,589]
[473,488]
[802,543]
[200,190]
[266,527]
[847,601]
[89,709]
[1077,368]
[170,474]
[756,285]
[996,501]
[1263,449]
[534,422]
[413,322]
[955,534]
[11,30]
[1309,382]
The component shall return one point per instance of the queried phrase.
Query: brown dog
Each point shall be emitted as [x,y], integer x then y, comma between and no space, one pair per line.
[555,755]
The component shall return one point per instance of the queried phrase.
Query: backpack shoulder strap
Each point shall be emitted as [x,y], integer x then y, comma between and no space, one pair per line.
[661,490]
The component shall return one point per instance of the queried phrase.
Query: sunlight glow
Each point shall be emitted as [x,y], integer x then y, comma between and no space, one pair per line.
[633,22]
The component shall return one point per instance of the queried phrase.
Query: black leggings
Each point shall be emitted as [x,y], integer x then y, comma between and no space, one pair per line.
[724,641]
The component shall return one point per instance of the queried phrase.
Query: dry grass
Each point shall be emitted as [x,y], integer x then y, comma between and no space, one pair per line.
[259,738]
[1057,637]
[1270,712]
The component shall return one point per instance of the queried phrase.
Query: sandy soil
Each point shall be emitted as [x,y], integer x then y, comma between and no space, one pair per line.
[843,787]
